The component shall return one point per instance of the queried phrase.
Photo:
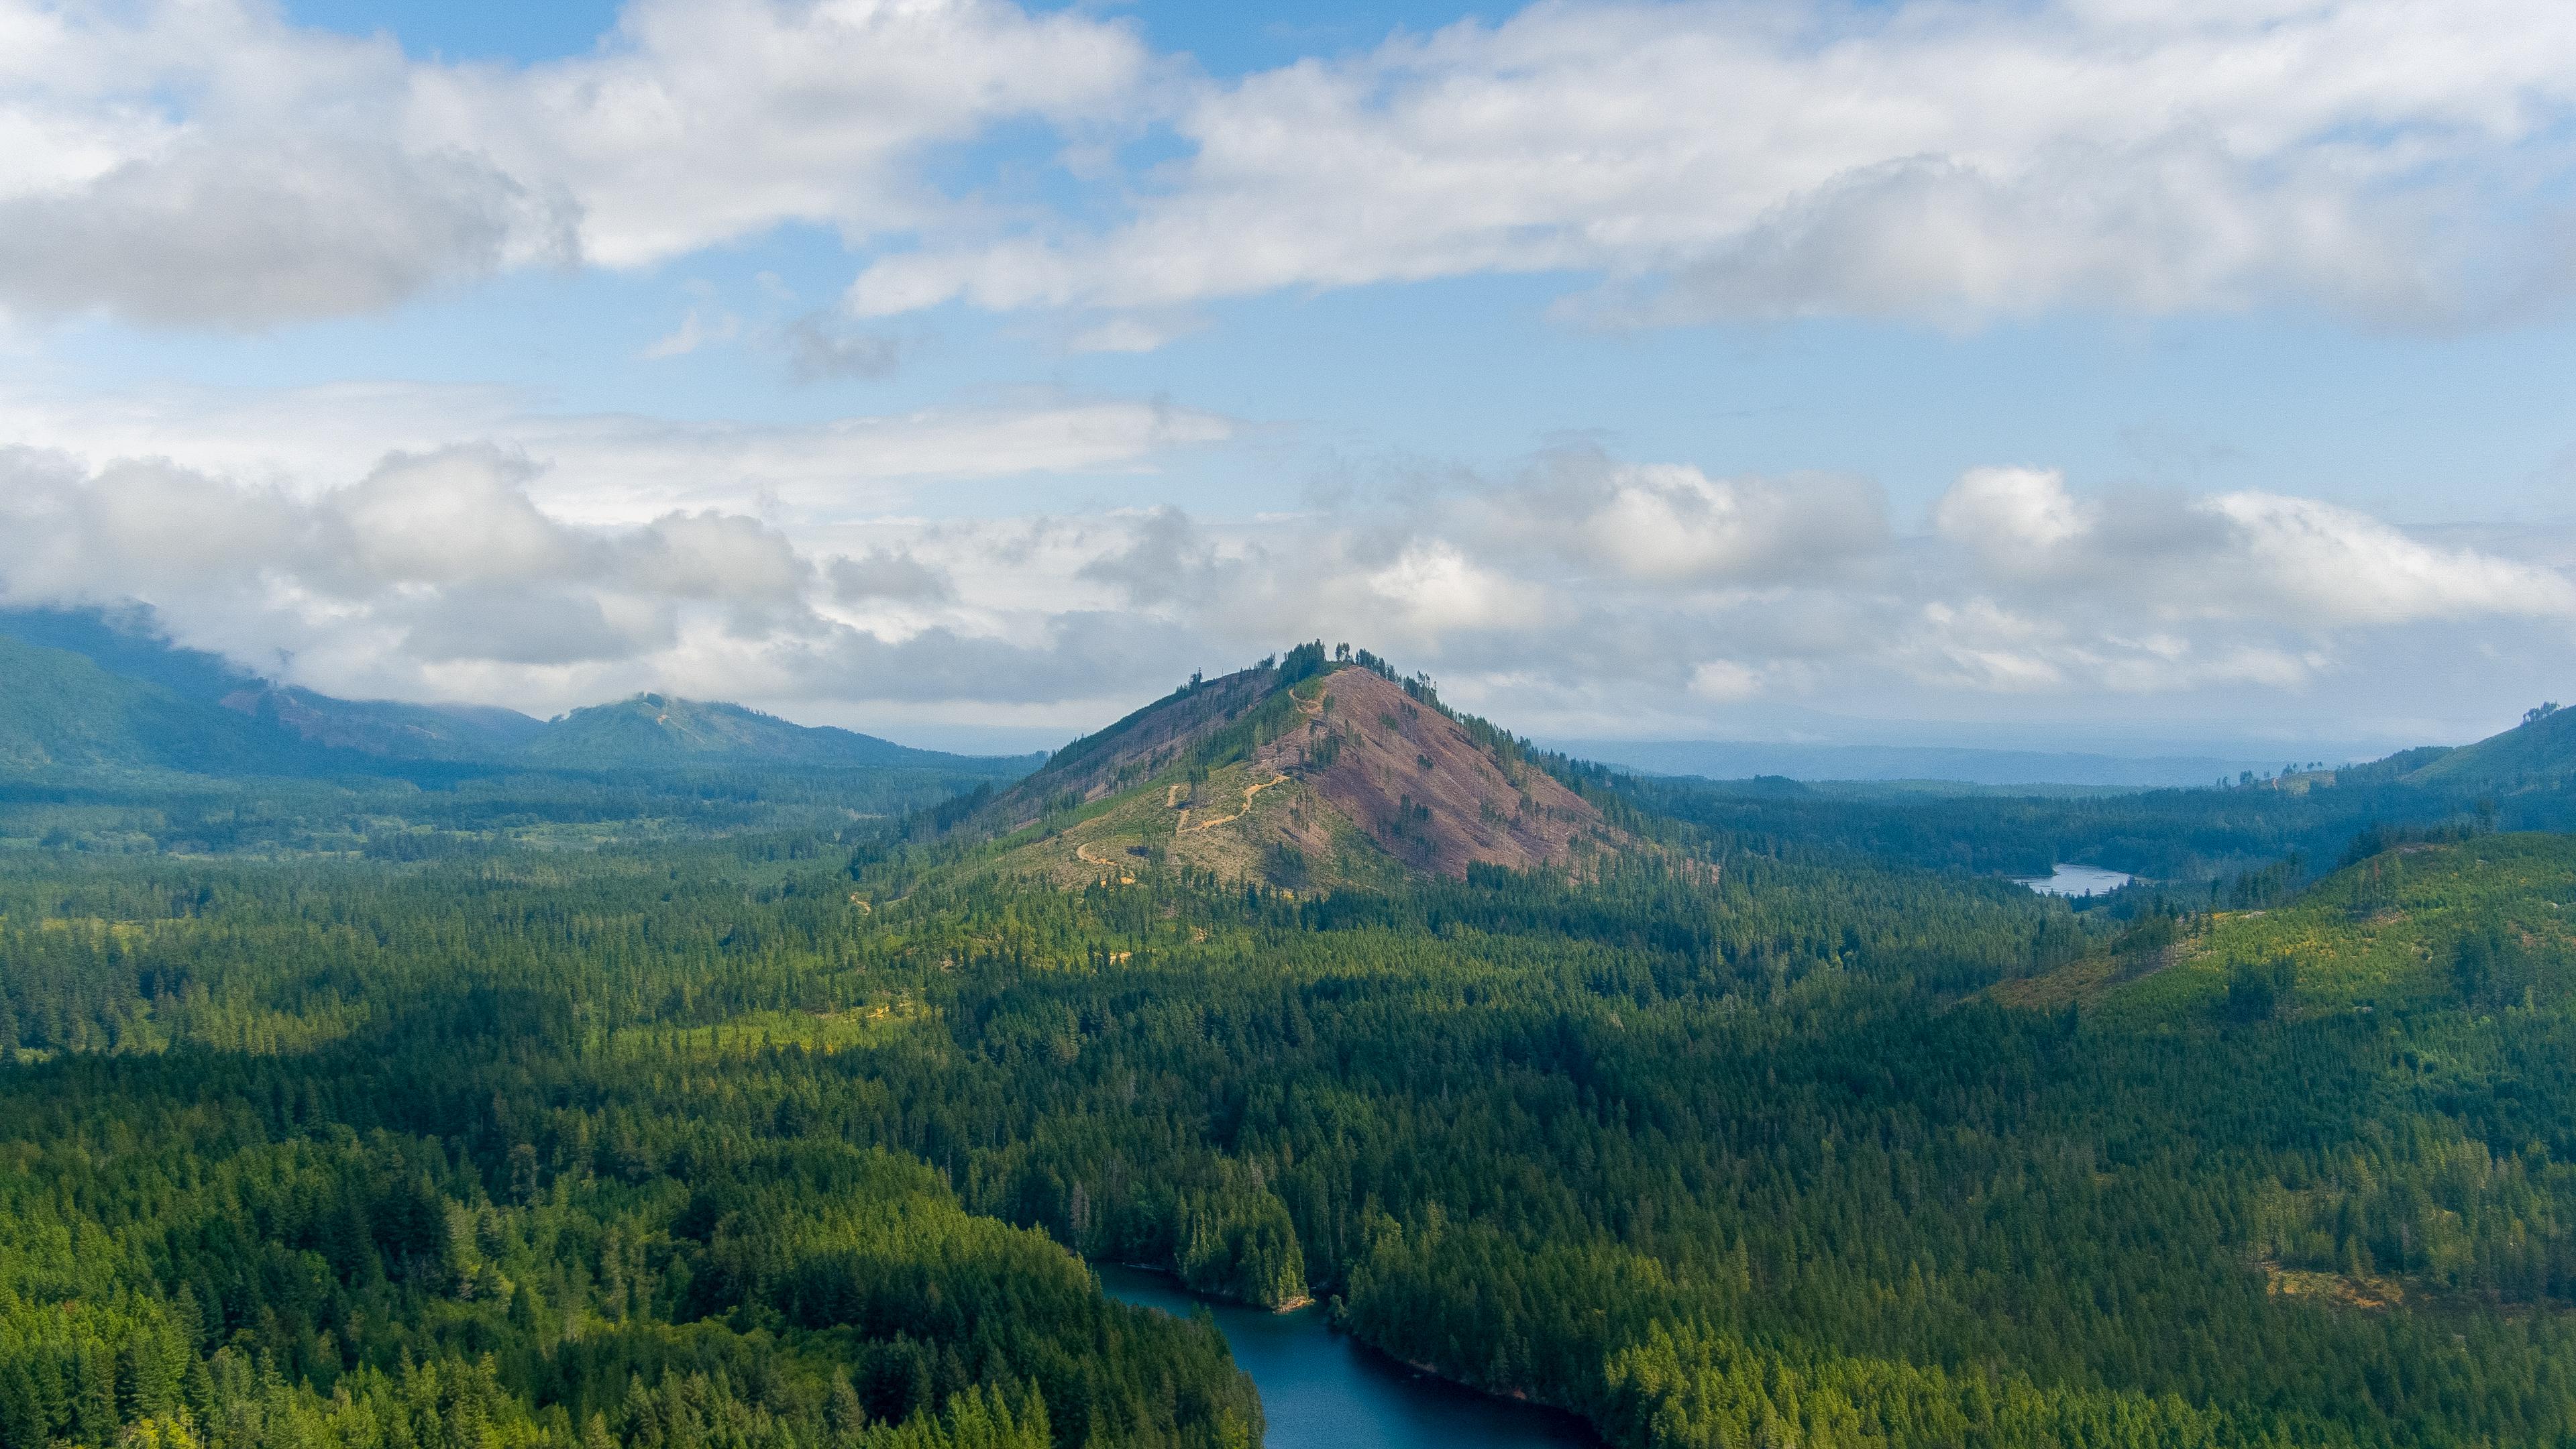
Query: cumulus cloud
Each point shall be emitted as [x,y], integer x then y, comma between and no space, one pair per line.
[207,163]
[704,121]
[2343,567]
[200,235]
[1672,524]
[2291,562]
[435,559]
[2010,513]
[1577,588]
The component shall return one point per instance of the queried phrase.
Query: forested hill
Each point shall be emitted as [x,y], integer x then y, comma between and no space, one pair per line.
[2538,754]
[660,729]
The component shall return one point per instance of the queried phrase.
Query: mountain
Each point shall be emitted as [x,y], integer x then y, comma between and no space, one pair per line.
[93,688]
[386,729]
[127,642]
[288,724]
[61,710]
[658,729]
[1298,772]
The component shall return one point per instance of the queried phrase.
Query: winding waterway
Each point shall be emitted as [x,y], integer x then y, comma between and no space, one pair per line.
[1323,1390]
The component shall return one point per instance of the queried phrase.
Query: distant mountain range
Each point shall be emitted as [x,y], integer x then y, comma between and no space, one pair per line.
[1744,759]
[92,689]
[103,689]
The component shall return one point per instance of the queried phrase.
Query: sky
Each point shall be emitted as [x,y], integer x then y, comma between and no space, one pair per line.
[2105,375]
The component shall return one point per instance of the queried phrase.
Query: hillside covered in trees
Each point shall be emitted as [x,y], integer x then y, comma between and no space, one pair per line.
[677,1110]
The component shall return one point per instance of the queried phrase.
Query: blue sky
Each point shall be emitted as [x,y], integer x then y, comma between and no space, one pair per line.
[966,371]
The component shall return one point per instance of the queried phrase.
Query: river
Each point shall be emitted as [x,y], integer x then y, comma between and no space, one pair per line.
[1324,1390]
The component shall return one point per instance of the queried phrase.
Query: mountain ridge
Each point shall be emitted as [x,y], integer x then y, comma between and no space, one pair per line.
[100,689]
[651,727]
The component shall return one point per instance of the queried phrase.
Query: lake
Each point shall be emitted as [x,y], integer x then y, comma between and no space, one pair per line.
[2077,880]
[1324,1390]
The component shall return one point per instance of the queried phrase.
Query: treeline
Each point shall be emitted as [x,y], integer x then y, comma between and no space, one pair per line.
[449,811]
[2168,835]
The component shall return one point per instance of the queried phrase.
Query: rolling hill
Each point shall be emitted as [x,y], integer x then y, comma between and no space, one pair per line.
[2486,922]
[1299,772]
[657,729]
[2538,754]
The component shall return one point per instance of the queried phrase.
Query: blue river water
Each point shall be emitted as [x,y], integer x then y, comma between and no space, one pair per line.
[1323,1390]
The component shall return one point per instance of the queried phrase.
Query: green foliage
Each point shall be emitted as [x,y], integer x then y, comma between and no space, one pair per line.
[2257,993]
[1301,663]
[59,710]
[789,1137]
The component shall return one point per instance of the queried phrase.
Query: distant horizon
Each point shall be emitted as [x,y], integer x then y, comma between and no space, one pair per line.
[1785,732]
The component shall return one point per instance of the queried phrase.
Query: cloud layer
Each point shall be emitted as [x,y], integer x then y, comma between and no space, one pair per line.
[1925,159]
[1579,589]
[203,163]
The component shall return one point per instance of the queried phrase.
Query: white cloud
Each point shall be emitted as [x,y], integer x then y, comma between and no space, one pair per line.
[2340,567]
[1725,680]
[705,121]
[885,573]
[2010,513]
[694,332]
[1923,159]
[1671,523]
[1581,588]
[1433,589]
[2291,563]
[612,467]
[205,163]
[460,517]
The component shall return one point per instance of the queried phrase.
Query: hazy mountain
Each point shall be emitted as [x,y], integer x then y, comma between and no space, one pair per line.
[95,688]
[1745,759]
[658,729]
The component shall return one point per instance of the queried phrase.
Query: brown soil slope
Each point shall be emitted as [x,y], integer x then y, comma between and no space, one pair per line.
[1418,784]
[1244,777]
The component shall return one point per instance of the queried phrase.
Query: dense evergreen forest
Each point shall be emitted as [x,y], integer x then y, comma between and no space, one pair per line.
[713,1110]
